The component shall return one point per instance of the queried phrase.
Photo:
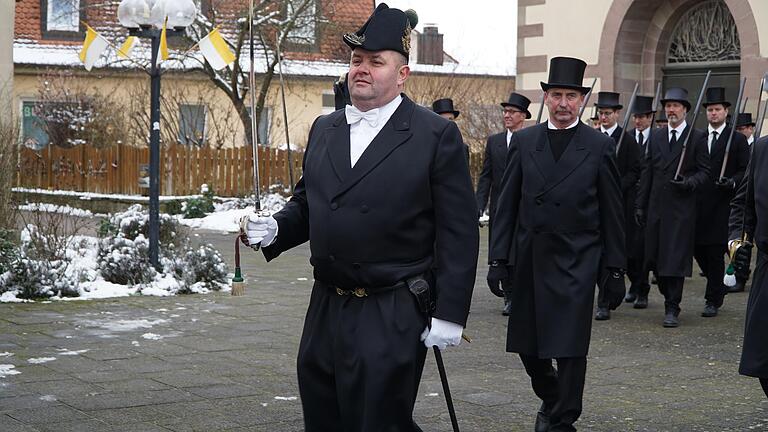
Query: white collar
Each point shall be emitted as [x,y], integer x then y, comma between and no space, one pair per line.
[719,130]
[680,128]
[610,130]
[386,111]
[646,132]
[551,125]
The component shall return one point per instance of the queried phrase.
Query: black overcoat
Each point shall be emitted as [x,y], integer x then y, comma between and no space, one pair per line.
[407,206]
[568,215]
[489,182]
[749,211]
[628,161]
[713,203]
[671,213]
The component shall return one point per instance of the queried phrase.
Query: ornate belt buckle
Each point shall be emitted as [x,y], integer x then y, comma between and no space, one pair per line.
[341,292]
[360,292]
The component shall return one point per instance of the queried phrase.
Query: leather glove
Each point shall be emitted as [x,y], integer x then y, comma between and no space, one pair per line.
[259,229]
[741,260]
[442,334]
[614,288]
[497,272]
[726,183]
[683,184]
[640,217]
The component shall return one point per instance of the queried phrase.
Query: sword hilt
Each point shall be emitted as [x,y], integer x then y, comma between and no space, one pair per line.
[244,231]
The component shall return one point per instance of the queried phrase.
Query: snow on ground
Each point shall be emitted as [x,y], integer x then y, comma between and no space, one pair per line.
[53,208]
[86,196]
[6,370]
[41,360]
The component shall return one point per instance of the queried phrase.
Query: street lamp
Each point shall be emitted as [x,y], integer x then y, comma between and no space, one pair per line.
[144,19]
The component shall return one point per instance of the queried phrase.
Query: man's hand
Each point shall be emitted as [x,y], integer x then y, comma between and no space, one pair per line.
[741,260]
[442,334]
[260,230]
[640,217]
[726,184]
[614,288]
[497,272]
[683,184]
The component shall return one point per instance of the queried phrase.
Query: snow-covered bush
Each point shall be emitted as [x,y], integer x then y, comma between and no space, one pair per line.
[196,208]
[30,279]
[8,250]
[206,265]
[135,221]
[125,261]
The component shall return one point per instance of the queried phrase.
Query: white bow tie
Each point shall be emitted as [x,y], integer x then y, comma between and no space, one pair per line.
[354,115]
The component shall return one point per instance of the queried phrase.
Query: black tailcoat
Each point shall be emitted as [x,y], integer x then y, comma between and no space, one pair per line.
[628,161]
[713,204]
[749,211]
[489,182]
[406,207]
[569,215]
[671,213]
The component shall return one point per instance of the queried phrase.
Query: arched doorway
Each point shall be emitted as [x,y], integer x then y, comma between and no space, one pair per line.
[704,38]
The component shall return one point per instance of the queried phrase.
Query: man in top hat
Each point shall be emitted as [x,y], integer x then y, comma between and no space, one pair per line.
[444,108]
[642,117]
[745,126]
[515,111]
[661,120]
[628,158]
[559,219]
[383,203]
[714,197]
[666,205]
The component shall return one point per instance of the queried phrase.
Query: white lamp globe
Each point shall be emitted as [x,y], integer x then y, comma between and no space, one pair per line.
[133,13]
[181,13]
[157,15]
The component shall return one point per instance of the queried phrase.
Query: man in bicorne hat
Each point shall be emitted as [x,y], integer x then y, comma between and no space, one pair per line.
[714,196]
[497,148]
[559,219]
[628,158]
[642,116]
[383,203]
[666,205]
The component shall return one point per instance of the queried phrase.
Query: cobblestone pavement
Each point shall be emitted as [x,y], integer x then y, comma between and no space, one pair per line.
[221,363]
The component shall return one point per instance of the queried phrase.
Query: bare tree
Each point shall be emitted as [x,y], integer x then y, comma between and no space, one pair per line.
[9,138]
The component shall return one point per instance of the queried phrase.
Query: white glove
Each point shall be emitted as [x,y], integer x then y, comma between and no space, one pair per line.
[442,334]
[259,229]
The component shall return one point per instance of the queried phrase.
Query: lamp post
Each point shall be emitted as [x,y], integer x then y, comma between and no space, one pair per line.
[144,19]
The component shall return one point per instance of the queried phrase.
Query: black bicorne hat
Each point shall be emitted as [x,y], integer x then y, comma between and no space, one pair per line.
[567,73]
[677,94]
[744,119]
[518,101]
[643,105]
[386,29]
[444,106]
[608,100]
[714,96]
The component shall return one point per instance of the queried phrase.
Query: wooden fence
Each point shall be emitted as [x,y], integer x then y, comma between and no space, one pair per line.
[117,169]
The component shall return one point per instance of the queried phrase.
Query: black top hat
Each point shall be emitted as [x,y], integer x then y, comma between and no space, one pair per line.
[744,119]
[386,29]
[608,100]
[643,105]
[677,94]
[444,106]
[518,101]
[662,118]
[567,73]
[714,96]
[595,116]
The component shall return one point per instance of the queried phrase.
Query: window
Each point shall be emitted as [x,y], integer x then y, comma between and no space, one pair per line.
[304,31]
[33,133]
[192,124]
[61,19]
[263,128]
[329,102]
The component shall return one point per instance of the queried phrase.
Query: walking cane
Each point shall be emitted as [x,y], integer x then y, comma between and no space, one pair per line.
[446,389]
[693,122]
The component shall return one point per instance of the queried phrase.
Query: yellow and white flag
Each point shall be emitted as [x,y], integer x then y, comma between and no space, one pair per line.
[215,50]
[93,47]
[163,50]
[125,50]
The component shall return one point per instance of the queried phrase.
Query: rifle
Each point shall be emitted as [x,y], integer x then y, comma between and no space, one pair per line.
[626,118]
[760,114]
[656,99]
[586,100]
[693,122]
[541,107]
[733,129]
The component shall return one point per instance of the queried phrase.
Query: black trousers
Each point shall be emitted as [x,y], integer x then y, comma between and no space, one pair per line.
[671,288]
[360,361]
[637,273]
[711,259]
[764,384]
[561,390]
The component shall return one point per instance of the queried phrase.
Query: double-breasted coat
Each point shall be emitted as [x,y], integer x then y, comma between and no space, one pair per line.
[749,213]
[628,161]
[406,207]
[489,181]
[713,203]
[568,214]
[670,212]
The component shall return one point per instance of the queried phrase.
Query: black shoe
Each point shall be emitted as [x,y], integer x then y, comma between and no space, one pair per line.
[709,311]
[641,302]
[670,320]
[602,314]
[542,420]
[507,308]
[739,287]
[630,297]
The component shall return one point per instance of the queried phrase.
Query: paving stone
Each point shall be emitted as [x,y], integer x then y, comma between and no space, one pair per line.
[126,416]
[9,424]
[49,415]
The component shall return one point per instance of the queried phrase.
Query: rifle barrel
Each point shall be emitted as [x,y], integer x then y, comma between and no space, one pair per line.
[733,129]
[693,123]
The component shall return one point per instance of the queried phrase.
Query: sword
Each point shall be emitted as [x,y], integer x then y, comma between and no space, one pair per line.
[285,112]
[626,117]
[693,122]
[733,129]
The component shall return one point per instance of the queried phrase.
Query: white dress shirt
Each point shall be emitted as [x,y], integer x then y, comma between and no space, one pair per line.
[680,128]
[362,133]
[646,133]
[750,139]
[509,137]
[710,129]
[610,130]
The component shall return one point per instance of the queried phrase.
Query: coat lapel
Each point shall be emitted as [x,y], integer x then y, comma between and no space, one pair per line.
[675,152]
[574,154]
[337,145]
[718,147]
[542,155]
[394,133]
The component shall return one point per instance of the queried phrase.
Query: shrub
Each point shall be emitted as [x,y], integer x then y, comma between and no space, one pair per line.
[125,261]
[196,208]
[32,279]
[135,221]
[173,207]
[207,266]
[8,250]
